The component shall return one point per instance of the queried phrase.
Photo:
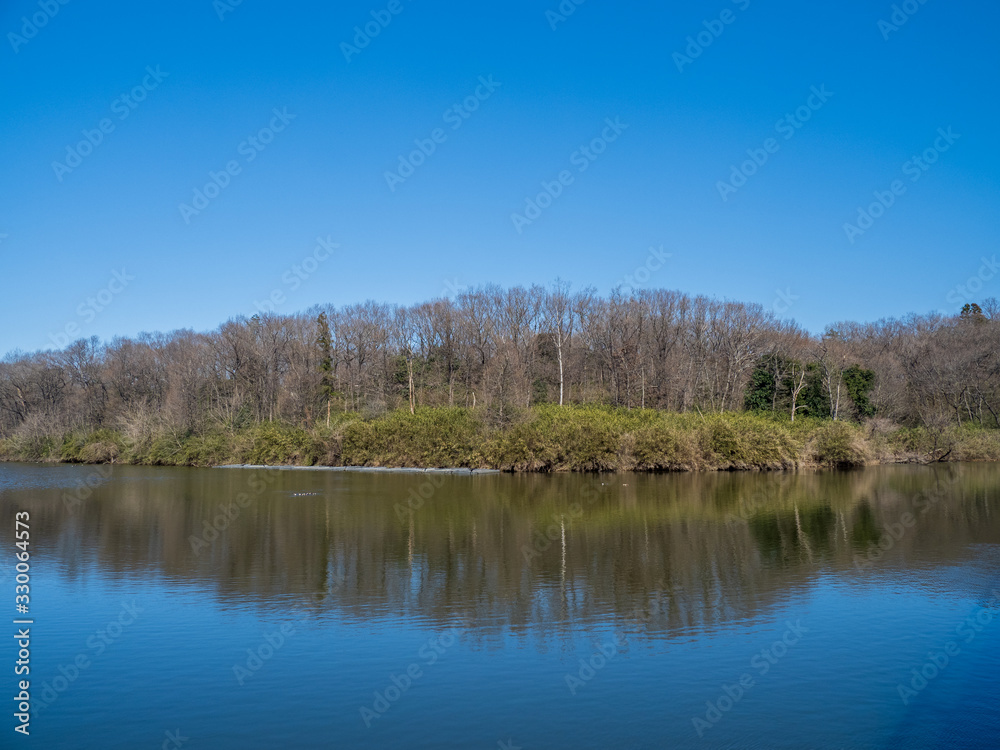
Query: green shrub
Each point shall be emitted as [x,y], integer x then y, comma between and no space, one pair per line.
[546,437]
[839,444]
[660,447]
[440,437]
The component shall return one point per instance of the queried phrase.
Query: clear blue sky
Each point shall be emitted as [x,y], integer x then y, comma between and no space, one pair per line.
[324,173]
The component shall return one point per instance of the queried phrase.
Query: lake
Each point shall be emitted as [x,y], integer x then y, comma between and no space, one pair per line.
[238,608]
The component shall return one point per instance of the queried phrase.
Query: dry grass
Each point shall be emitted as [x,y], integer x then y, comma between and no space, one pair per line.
[544,438]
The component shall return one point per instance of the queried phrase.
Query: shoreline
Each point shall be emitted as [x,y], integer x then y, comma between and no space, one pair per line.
[363,469]
[466,471]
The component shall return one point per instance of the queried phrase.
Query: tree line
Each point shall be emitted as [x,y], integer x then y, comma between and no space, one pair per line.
[500,350]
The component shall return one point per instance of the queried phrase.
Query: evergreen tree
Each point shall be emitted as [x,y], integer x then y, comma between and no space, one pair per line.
[815,398]
[859,382]
[972,312]
[760,391]
[325,362]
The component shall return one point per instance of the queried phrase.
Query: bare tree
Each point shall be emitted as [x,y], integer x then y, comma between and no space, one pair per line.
[559,319]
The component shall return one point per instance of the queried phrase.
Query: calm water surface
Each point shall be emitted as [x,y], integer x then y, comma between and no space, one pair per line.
[336,610]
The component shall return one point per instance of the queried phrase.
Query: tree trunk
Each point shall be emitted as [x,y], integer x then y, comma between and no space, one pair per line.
[409,368]
[797,389]
[559,352]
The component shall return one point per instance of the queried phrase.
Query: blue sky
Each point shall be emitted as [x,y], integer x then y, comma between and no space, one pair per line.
[320,170]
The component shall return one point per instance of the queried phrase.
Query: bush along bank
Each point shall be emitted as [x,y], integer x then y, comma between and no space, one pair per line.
[540,439]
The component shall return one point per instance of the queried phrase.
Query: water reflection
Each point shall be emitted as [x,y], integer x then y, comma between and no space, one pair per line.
[539,553]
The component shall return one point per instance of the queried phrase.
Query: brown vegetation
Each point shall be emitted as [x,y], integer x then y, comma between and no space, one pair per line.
[494,353]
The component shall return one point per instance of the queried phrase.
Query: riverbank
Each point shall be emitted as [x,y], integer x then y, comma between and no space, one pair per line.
[365,469]
[540,439]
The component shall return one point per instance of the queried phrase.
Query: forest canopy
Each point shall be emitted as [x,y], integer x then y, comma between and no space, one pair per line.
[499,349]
